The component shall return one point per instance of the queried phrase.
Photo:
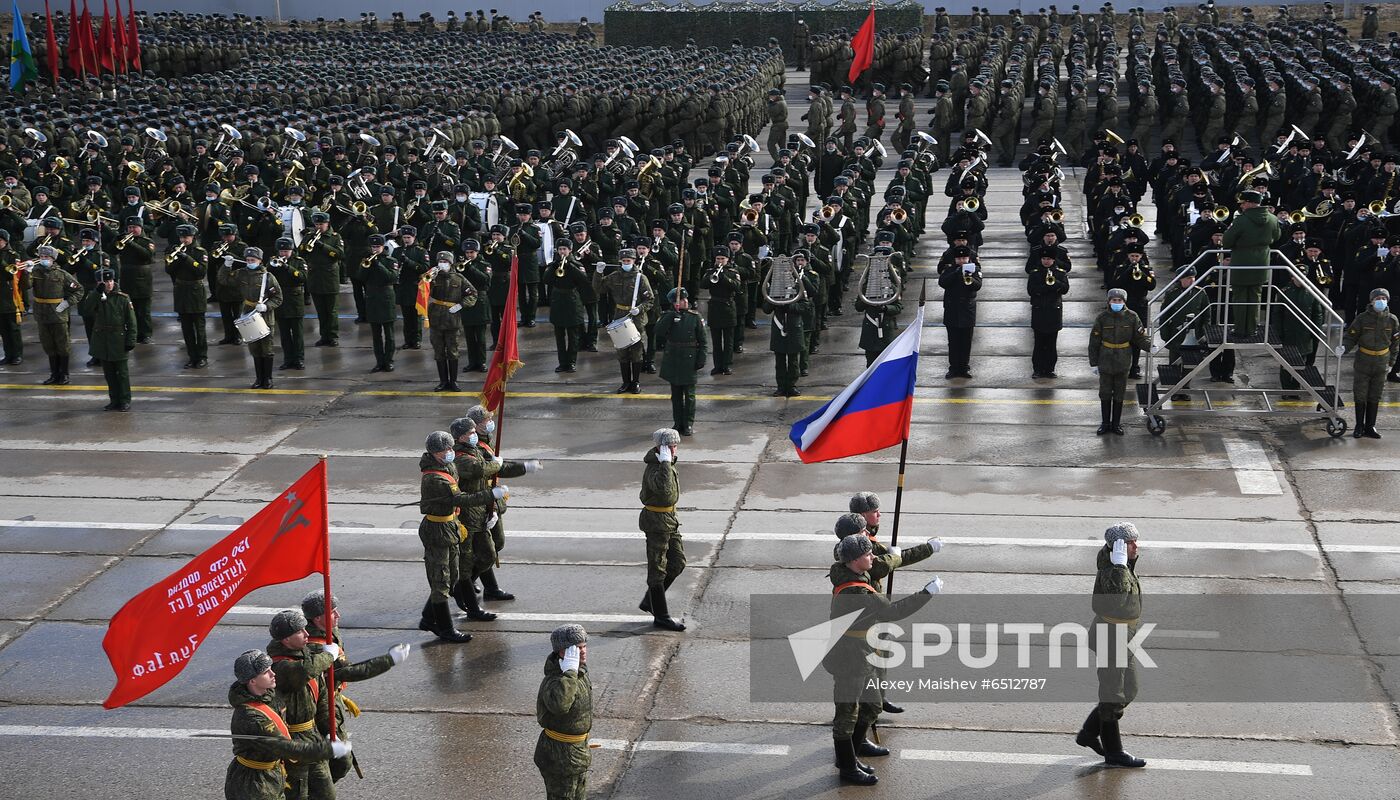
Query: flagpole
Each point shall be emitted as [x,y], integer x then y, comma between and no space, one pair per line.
[326,606]
[903,456]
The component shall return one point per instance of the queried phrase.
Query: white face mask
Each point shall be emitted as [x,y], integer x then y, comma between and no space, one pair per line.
[461,198]
[253,264]
[490,427]
[626,267]
[1380,304]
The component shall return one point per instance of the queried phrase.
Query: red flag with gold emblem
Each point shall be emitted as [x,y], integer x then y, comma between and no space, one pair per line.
[506,358]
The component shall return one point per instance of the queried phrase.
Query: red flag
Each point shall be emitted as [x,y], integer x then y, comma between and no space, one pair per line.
[133,38]
[90,58]
[506,358]
[118,38]
[863,43]
[52,55]
[153,636]
[76,65]
[106,45]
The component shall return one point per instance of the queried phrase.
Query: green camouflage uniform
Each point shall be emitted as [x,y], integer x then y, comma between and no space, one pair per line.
[661,490]
[564,708]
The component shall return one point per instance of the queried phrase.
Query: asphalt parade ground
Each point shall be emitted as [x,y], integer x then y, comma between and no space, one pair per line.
[96,506]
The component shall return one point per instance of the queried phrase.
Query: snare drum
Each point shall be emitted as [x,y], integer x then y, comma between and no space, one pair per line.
[623,333]
[252,327]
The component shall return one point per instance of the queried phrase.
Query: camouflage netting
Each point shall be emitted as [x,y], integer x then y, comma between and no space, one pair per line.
[719,23]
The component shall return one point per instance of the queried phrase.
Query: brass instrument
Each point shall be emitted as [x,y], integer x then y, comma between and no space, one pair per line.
[219,250]
[500,159]
[367,155]
[783,283]
[1137,271]
[235,193]
[750,216]
[124,241]
[1262,169]
[490,247]
[1376,206]
[1136,220]
[562,159]
[217,170]
[228,135]
[59,164]
[6,201]
[356,209]
[967,277]
[133,171]
[516,187]
[1050,276]
[1298,217]
[1323,209]
[157,146]
[646,175]
[561,269]
[878,284]
[1220,214]
[358,184]
[1057,216]
[175,253]
[291,179]
[292,147]
[900,216]
[171,208]
[969,204]
[310,243]
[826,213]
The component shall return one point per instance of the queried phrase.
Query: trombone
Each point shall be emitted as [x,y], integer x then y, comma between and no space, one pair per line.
[171,208]
[357,208]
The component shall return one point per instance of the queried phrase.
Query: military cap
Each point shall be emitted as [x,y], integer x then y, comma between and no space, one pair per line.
[1126,531]
[88,234]
[1120,294]
[375,239]
[1380,292]
[852,547]
[961,251]
[665,436]
[811,227]
[225,228]
[848,524]
[720,251]
[250,665]
[503,230]
[253,252]
[736,236]
[336,180]
[862,502]
[678,293]
[320,216]
[106,274]
[627,253]
[45,250]
[566,636]
[438,441]
[471,246]
[186,230]
[313,604]
[605,213]
[286,623]
[462,426]
[1251,196]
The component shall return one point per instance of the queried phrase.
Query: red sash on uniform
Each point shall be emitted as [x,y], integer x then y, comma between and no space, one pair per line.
[849,584]
[311,683]
[272,716]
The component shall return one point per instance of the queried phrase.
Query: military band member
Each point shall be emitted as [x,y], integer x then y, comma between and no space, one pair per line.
[960,285]
[324,251]
[134,252]
[476,318]
[661,490]
[449,295]
[623,285]
[14,293]
[564,710]
[113,336]
[413,265]
[83,264]
[725,285]
[1047,284]
[1116,331]
[497,255]
[1117,612]
[290,272]
[259,293]
[787,339]
[1375,334]
[187,265]
[568,282]
[379,274]
[262,740]
[878,322]
[55,292]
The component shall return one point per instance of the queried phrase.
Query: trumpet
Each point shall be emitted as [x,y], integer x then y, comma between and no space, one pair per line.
[1220,214]
[6,201]
[900,216]
[1057,216]
[827,213]
[1136,221]
[563,268]
[1376,206]
[310,243]
[175,253]
[124,241]
[970,204]
[1137,271]
[1050,276]
[967,277]
[1298,217]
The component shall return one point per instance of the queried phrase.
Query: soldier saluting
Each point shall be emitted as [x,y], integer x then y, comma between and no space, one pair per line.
[564,710]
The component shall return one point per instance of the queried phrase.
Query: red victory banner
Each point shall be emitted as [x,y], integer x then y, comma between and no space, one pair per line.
[153,636]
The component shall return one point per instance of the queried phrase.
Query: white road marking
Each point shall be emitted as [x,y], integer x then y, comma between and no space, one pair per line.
[504,616]
[1046,759]
[692,747]
[1253,472]
[984,541]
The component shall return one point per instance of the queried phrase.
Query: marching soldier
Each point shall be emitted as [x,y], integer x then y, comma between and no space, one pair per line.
[113,336]
[449,295]
[787,339]
[55,292]
[187,265]
[323,625]
[300,666]
[1375,333]
[1116,331]
[227,295]
[1118,611]
[260,294]
[476,317]
[960,285]
[290,273]
[777,121]
[564,710]
[878,321]
[262,741]
[857,695]
[379,274]
[442,533]
[661,490]
[875,113]
[324,250]
[632,298]
[680,335]
[497,255]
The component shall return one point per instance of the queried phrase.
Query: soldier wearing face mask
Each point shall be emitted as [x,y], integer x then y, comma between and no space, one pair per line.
[1116,331]
[623,285]
[1375,335]
[449,293]
[260,294]
[55,292]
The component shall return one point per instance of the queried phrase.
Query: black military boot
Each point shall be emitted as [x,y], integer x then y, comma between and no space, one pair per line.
[891,708]
[257,374]
[661,615]
[1117,426]
[1363,413]
[636,387]
[442,376]
[452,376]
[444,629]
[491,590]
[865,747]
[461,590]
[626,369]
[63,381]
[1373,410]
[1113,754]
[1105,413]
[474,610]
[846,763]
[1089,733]
[266,371]
[53,371]
[427,621]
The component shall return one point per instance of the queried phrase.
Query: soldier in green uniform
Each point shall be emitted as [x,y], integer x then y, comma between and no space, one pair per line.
[323,625]
[1117,613]
[262,740]
[475,318]
[879,321]
[1116,331]
[568,281]
[777,121]
[497,255]
[875,113]
[846,131]
[1375,334]
[83,264]
[290,271]
[623,285]
[661,490]
[856,693]
[113,336]
[905,129]
[300,666]
[1249,238]
[323,250]
[564,710]
[449,295]
[187,265]
[228,295]
[379,272]
[441,533]
[260,294]
[14,291]
[680,335]
[55,292]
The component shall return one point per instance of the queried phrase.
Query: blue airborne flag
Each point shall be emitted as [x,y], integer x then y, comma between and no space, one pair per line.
[22,67]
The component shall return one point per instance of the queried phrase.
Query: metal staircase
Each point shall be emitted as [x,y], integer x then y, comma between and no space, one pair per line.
[1188,374]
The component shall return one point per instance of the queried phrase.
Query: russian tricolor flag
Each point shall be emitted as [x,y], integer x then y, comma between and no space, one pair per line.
[873,412]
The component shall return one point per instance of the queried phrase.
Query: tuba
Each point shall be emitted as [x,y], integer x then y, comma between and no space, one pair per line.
[562,159]
[878,285]
[783,283]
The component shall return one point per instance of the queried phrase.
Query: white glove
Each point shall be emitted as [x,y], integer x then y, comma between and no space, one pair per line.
[934,586]
[261,308]
[600,266]
[1340,350]
[1096,370]
[62,306]
[333,649]
[895,551]
[339,749]
[498,461]
[454,308]
[570,659]
[228,261]
[634,311]
[399,653]
[1118,556]
[935,544]
[500,492]
[533,466]
[663,452]
[492,520]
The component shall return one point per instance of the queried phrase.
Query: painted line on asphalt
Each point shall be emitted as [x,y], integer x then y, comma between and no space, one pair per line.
[504,616]
[1253,472]
[1048,760]
[692,747]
